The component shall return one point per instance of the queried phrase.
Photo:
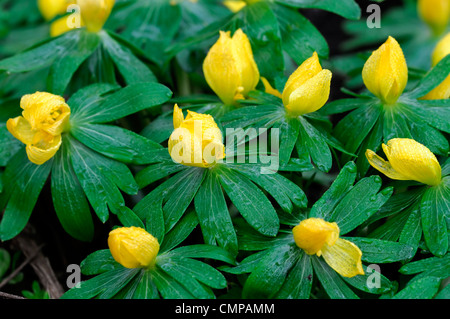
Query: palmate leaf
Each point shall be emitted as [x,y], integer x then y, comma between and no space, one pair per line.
[177,273]
[348,8]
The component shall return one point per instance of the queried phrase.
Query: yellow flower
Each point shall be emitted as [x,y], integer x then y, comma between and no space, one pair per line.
[133,247]
[385,73]
[65,24]
[316,236]
[229,67]
[237,5]
[196,140]
[52,8]
[308,88]
[407,160]
[95,13]
[269,89]
[442,91]
[44,117]
[435,13]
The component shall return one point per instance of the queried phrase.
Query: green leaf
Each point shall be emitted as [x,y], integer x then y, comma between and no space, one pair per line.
[182,271]
[68,196]
[23,183]
[261,26]
[180,232]
[354,127]
[412,231]
[361,202]
[300,38]
[299,281]
[312,142]
[422,288]
[118,143]
[382,251]
[268,277]
[249,200]
[289,131]
[435,202]
[155,172]
[105,285]
[250,239]
[168,287]
[101,178]
[432,79]
[395,125]
[434,267]
[372,282]
[129,100]
[203,251]
[348,9]
[132,69]
[343,105]
[5,262]
[333,284]
[40,55]
[10,145]
[214,218]
[99,262]
[146,288]
[62,70]
[341,185]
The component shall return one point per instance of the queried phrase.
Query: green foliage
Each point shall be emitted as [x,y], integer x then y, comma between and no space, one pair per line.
[227,230]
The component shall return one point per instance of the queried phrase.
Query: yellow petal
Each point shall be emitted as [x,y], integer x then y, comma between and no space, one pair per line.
[133,247]
[45,111]
[441,50]
[20,128]
[229,67]
[311,95]
[197,141]
[43,147]
[51,8]
[65,24]
[307,70]
[413,160]
[178,117]
[313,233]
[269,89]
[435,13]
[384,167]
[344,257]
[440,92]
[234,5]
[385,73]
[95,13]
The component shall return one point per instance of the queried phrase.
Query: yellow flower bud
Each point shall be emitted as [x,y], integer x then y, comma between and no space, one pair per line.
[44,117]
[52,8]
[308,88]
[133,247]
[442,91]
[237,5]
[95,13]
[229,67]
[64,24]
[318,237]
[385,73]
[407,160]
[196,140]
[435,13]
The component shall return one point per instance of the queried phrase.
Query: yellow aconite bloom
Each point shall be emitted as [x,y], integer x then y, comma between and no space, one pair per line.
[45,116]
[385,73]
[64,24]
[133,247]
[407,160]
[52,8]
[269,89]
[307,89]
[196,140]
[237,5]
[95,13]
[316,236]
[229,67]
[435,13]
[442,91]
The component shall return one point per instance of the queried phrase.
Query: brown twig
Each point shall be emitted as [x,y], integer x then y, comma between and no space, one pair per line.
[5,295]
[18,269]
